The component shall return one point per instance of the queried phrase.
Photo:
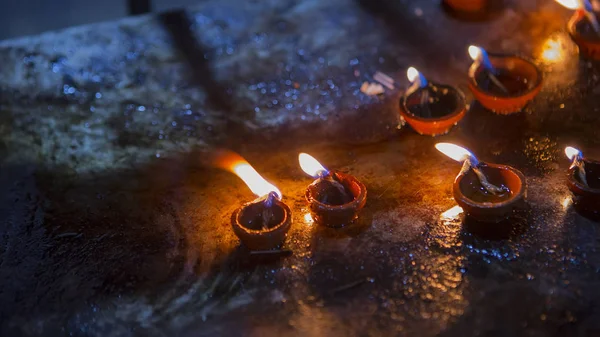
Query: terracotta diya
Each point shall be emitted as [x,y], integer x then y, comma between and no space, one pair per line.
[473,10]
[503,84]
[431,108]
[261,224]
[334,198]
[486,192]
[470,6]
[583,179]
[583,27]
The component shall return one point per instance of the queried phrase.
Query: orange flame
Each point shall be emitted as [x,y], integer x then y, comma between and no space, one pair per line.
[236,164]
[474,52]
[454,151]
[310,165]
[412,74]
[572,152]
[570,4]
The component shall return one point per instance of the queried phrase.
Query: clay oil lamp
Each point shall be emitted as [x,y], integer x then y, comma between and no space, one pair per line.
[334,198]
[503,84]
[583,27]
[467,6]
[430,108]
[472,10]
[261,224]
[584,180]
[486,192]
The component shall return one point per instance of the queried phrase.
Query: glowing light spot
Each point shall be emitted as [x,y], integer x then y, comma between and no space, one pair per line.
[570,4]
[452,213]
[308,219]
[566,202]
[552,50]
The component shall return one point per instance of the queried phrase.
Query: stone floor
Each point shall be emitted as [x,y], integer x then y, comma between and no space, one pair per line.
[114,224]
[20,18]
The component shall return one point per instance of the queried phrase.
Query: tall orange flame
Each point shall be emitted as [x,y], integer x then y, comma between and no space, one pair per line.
[236,164]
[570,4]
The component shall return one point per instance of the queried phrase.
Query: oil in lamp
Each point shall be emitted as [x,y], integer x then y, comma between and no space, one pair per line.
[584,179]
[503,84]
[486,192]
[334,198]
[261,224]
[431,108]
[583,27]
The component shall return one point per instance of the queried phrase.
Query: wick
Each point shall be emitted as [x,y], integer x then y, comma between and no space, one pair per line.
[472,163]
[267,213]
[333,179]
[497,82]
[580,165]
[490,70]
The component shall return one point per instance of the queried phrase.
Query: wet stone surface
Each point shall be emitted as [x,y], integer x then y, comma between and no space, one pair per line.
[113,224]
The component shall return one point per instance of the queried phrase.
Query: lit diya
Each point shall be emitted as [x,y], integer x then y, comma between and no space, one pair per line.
[486,192]
[503,84]
[583,27]
[584,179]
[431,108]
[466,8]
[334,198]
[261,224]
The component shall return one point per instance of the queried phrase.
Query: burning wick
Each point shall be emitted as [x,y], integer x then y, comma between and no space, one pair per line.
[313,168]
[480,57]
[418,81]
[587,8]
[267,193]
[461,154]
[576,158]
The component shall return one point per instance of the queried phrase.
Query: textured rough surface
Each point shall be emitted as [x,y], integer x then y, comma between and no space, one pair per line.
[112,224]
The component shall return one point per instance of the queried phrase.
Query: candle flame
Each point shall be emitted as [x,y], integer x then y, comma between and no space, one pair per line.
[570,4]
[310,165]
[452,213]
[474,52]
[572,152]
[412,74]
[454,151]
[234,163]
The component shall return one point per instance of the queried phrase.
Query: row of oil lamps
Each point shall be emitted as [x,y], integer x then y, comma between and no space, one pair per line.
[503,84]
[486,192]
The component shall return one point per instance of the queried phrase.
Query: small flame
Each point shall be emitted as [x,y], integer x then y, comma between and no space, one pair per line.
[570,4]
[452,213]
[233,162]
[454,151]
[310,165]
[412,73]
[474,52]
[571,152]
